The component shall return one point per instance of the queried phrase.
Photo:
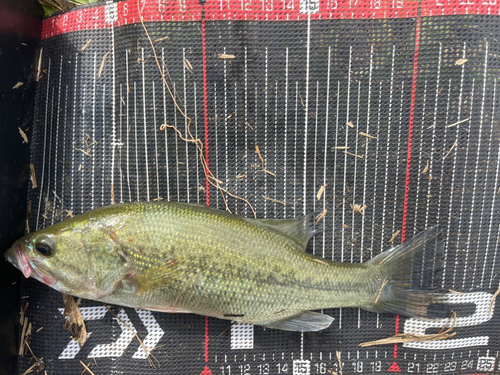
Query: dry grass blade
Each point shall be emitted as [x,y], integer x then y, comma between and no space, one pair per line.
[199,145]
[23,334]
[395,235]
[340,362]
[17,85]
[340,148]
[493,300]
[320,216]
[257,150]
[454,291]
[367,135]
[86,45]
[30,370]
[23,134]
[426,168]
[456,123]
[39,70]
[102,64]
[33,177]
[113,194]
[460,62]
[226,56]
[74,320]
[321,191]
[87,368]
[277,201]
[358,208]
[443,334]
[451,149]
[161,39]
[268,172]
[146,350]
[188,66]
[350,153]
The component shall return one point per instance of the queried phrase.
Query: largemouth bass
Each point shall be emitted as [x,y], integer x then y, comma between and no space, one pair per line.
[179,257]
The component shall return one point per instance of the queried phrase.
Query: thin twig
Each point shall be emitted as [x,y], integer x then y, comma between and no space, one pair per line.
[350,153]
[493,300]
[456,123]
[87,368]
[102,64]
[39,65]
[320,216]
[367,135]
[395,235]
[451,149]
[257,150]
[161,39]
[208,173]
[340,362]
[86,45]
[148,352]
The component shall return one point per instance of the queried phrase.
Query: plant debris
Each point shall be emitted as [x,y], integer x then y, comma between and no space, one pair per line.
[74,320]
[226,56]
[367,135]
[456,123]
[443,334]
[161,39]
[268,172]
[146,350]
[23,134]
[426,168]
[358,208]
[33,177]
[257,150]
[102,64]
[39,70]
[211,179]
[451,149]
[461,62]
[340,148]
[384,283]
[493,300]
[86,368]
[17,85]
[350,153]
[188,66]
[340,362]
[320,216]
[277,201]
[350,124]
[395,235]
[321,191]
[86,45]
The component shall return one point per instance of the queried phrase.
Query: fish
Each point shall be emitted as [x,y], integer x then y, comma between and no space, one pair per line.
[189,258]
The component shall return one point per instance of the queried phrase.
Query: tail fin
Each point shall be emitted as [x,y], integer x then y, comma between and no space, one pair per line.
[406,274]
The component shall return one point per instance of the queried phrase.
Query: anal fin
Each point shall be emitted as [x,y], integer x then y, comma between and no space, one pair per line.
[306,321]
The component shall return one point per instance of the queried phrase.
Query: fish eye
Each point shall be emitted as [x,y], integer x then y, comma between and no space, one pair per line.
[44,248]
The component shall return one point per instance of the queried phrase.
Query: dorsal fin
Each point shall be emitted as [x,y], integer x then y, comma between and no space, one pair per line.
[299,230]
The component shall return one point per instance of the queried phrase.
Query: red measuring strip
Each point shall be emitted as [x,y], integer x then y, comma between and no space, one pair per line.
[408,155]
[126,12]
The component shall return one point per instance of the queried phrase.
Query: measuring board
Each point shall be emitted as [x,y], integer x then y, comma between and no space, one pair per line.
[389,105]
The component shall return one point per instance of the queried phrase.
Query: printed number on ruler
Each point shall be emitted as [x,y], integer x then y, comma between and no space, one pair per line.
[481,315]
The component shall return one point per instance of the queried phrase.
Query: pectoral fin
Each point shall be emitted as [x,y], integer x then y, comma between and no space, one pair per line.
[306,321]
[299,230]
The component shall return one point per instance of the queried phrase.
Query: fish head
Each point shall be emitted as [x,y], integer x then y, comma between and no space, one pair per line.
[55,256]
[81,256]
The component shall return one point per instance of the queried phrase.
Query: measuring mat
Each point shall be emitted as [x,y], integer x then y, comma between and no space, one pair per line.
[384,114]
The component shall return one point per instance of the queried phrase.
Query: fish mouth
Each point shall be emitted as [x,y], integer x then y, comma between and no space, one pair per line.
[29,268]
[19,260]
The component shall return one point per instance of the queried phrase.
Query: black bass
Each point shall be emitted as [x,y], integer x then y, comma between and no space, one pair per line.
[179,257]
